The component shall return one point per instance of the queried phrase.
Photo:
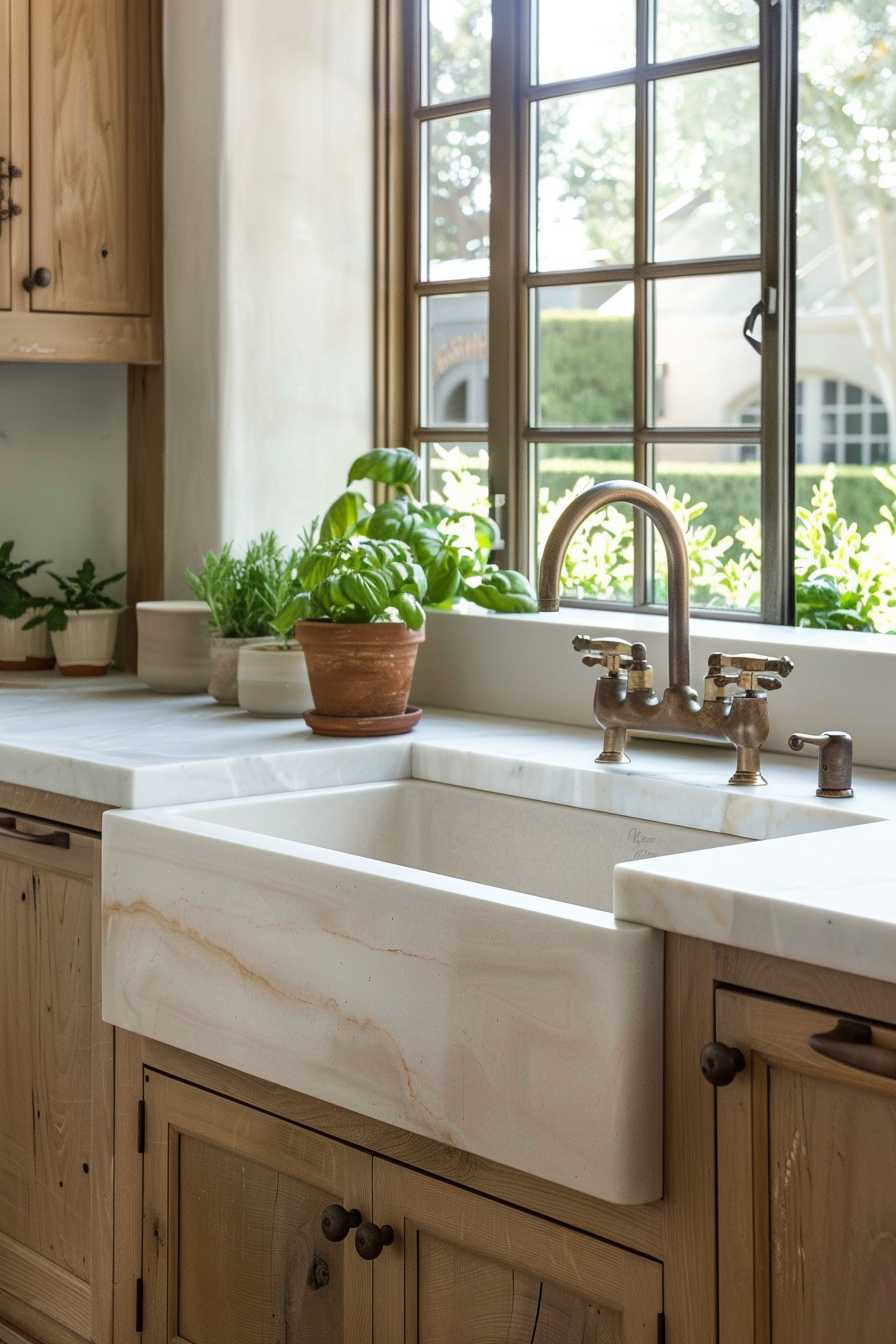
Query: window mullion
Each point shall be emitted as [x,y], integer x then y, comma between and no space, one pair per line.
[508,224]
[642,334]
[777,73]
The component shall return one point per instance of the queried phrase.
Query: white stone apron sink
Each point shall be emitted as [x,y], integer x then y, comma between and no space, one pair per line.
[437,957]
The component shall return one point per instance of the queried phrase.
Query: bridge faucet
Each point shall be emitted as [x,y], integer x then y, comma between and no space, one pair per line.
[735,701]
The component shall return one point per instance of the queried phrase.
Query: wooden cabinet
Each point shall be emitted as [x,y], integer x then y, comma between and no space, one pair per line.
[806,1182]
[55,1098]
[233,1250]
[80,121]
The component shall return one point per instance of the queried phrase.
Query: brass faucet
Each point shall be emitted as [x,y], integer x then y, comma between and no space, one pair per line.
[735,699]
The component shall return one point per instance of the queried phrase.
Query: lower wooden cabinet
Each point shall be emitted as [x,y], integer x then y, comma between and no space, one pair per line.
[806,1181]
[56,1093]
[233,1251]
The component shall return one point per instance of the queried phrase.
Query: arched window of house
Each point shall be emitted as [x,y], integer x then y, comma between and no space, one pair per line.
[836,421]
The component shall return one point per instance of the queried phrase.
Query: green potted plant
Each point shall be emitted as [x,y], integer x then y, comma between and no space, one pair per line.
[242,596]
[272,677]
[83,623]
[24,645]
[360,624]
[452,546]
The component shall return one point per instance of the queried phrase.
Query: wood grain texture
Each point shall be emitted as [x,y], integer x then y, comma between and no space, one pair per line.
[128,1192]
[9,189]
[75,338]
[91,138]
[146,496]
[55,1138]
[637,1226]
[20,153]
[39,804]
[233,1199]
[807,1183]
[803,983]
[689,1144]
[464,1267]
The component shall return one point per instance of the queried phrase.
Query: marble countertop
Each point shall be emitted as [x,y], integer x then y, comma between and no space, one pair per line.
[814,888]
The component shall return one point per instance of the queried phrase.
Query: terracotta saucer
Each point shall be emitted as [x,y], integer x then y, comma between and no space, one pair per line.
[333,725]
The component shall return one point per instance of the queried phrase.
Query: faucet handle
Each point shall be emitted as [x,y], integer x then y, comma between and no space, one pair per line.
[593,645]
[615,655]
[750,662]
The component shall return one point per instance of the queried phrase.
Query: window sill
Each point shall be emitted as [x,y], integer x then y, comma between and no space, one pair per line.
[524,666]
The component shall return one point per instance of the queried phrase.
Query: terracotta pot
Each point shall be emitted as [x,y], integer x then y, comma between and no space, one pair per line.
[173,646]
[225,652]
[25,650]
[359,671]
[86,645]
[273,681]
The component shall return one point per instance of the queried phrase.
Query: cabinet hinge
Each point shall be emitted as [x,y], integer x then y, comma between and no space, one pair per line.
[661,1328]
[141,1126]
[138,1323]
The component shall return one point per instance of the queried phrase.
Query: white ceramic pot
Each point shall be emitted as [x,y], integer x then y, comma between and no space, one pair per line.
[225,656]
[86,645]
[25,650]
[174,646]
[272,681]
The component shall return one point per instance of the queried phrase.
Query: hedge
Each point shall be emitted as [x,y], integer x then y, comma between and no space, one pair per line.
[729,489]
[586,368]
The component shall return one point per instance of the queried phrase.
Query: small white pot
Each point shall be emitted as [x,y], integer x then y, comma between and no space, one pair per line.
[174,646]
[273,681]
[86,645]
[25,650]
[225,654]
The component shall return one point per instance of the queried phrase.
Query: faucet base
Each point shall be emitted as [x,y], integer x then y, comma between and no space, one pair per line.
[749,777]
[614,747]
[747,771]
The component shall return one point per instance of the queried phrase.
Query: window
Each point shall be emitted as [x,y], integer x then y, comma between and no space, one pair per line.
[598,195]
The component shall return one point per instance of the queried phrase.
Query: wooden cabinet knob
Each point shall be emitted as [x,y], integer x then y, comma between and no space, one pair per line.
[720,1064]
[335,1221]
[370,1239]
[40,279]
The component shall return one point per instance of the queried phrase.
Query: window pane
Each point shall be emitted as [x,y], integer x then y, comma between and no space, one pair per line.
[707,165]
[693,27]
[586,180]
[604,38]
[845,310]
[456,359]
[599,562]
[705,369]
[583,361]
[716,496]
[457,474]
[459,49]
[456,152]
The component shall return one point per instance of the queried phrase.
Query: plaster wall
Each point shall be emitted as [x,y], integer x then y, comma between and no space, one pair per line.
[269,147]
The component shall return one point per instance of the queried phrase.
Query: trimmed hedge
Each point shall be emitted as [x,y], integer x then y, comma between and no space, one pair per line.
[729,489]
[586,368]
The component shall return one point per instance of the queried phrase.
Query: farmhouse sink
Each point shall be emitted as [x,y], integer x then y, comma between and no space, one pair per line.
[434,956]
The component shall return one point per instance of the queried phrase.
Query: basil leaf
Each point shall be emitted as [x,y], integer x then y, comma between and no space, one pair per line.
[389,466]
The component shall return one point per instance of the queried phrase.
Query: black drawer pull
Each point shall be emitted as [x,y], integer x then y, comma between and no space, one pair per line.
[59,839]
[850,1043]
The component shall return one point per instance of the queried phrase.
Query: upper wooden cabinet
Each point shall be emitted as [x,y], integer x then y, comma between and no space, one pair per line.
[80,123]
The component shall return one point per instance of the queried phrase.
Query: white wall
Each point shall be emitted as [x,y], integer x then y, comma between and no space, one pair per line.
[63,466]
[269,147]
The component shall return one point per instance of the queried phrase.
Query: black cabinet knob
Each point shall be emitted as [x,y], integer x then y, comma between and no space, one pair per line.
[720,1064]
[370,1239]
[335,1221]
[40,279]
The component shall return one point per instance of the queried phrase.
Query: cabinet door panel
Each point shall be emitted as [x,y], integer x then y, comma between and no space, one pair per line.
[807,1184]
[91,150]
[233,1250]
[56,1066]
[465,1268]
[5,149]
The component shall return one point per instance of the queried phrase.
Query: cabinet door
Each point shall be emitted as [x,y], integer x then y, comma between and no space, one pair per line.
[233,1250]
[91,154]
[807,1184]
[55,1092]
[464,1269]
[5,151]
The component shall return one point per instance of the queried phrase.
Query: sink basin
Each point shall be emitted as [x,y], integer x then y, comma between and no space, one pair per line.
[434,956]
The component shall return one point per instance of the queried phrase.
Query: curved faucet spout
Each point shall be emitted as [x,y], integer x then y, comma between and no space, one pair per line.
[627,492]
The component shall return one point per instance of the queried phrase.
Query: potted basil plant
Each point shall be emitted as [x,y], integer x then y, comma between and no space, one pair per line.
[24,641]
[83,623]
[360,624]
